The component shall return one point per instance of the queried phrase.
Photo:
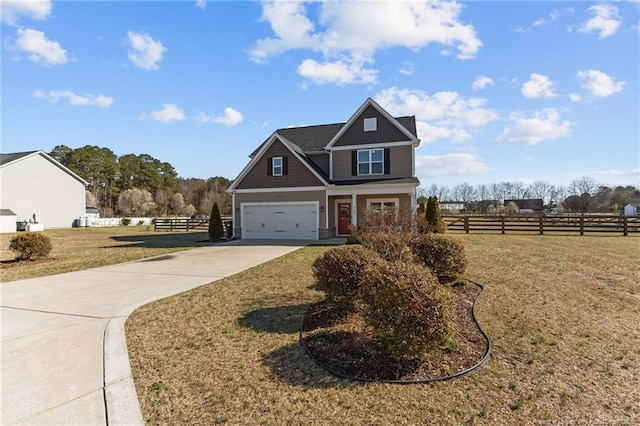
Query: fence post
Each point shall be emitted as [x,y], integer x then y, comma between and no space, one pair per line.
[188,223]
[171,224]
[466,224]
[582,224]
[625,226]
[502,224]
[541,225]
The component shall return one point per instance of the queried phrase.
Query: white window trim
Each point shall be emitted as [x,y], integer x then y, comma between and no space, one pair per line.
[370,124]
[358,162]
[273,166]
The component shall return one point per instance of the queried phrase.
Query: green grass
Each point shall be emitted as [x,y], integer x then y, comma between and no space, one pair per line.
[562,313]
[82,248]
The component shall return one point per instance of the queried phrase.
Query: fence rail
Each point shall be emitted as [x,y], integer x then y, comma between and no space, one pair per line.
[581,224]
[177,224]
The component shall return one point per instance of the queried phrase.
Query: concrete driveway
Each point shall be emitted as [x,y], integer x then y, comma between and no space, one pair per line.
[64,356]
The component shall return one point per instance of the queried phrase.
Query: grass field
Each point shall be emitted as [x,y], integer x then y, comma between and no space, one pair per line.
[82,248]
[563,314]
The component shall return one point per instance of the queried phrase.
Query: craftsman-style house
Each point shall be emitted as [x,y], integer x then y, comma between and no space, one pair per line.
[313,182]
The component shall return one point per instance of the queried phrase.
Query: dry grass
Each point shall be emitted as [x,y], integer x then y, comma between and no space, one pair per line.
[562,313]
[82,248]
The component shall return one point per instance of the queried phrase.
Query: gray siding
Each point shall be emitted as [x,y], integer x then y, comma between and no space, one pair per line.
[280,197]
[299,174]
[355,134]
[401,162]
[321,160]
[36,185]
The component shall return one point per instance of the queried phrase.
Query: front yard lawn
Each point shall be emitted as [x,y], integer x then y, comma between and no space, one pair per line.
[562,314]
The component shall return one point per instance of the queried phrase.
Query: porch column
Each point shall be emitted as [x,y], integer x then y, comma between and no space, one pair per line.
[354,210]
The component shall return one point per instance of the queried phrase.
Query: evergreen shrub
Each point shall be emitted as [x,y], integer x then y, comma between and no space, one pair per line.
[443,254]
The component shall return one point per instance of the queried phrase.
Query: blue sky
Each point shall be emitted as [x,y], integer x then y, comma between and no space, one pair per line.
[502,91]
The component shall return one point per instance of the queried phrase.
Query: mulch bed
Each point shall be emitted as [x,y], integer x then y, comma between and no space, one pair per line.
[340,344]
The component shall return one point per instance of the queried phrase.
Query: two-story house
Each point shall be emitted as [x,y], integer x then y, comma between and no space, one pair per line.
[313,182]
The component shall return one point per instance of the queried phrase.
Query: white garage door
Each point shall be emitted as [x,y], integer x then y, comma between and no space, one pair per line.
[280,221]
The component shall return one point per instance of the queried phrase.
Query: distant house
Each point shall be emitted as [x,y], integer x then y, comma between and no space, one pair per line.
[36,187]
[631,210]
[7,220]
[527,205]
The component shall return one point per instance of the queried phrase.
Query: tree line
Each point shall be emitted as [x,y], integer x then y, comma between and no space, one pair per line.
[141,185]
[582,195]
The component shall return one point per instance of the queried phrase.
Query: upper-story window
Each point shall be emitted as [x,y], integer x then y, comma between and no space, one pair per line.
[370,124]
[276,166]
[371,161]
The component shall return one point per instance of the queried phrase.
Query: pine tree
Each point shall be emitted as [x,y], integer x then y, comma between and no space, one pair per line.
[433,215]
[216,229]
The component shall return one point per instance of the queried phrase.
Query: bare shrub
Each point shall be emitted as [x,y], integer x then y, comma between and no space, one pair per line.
[443,254]
[30,245]
[406,308]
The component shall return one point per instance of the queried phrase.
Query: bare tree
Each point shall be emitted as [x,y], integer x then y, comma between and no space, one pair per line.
[497,192]
[464,193]
[442,192]
[483,192]
[541,189]
[584,185]
[90,200]
[135,202]
[177,204]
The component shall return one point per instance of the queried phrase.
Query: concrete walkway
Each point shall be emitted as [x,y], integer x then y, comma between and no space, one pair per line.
[64,355]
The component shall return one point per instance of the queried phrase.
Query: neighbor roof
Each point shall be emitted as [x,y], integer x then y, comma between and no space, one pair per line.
[8,158]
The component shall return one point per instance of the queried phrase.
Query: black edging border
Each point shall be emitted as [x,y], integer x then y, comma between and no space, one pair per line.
[462,373]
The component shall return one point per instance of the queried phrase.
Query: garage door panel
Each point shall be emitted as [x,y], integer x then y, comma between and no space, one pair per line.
[281,221]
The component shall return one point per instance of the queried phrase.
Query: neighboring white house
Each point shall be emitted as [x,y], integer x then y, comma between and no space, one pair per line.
[7,220]
[34,183]
[631,210]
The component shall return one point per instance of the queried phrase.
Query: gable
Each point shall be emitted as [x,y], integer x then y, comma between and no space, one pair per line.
[386,131]
[298,174]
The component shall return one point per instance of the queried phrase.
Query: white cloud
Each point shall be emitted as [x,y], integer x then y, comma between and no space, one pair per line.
[202,4]
[575,97]
[351,33]
[444,115]
[168,113]
[145,53]
[600,84]
[542,125]
[481,82]
[12,10]
[231,117]
[39,49]
[538,86]
[542,21]
[74,100]
[450,164]
[606,21]
[407,68]
[339,73]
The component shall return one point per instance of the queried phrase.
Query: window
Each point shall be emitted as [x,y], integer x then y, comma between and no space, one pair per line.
[277,168]
[382,204]
[370,124]
[371,162]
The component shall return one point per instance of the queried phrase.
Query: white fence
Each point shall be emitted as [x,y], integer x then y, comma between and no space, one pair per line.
[112,221]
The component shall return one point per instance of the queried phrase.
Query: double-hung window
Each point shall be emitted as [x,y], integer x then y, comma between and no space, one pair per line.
[371,162]
[277,166]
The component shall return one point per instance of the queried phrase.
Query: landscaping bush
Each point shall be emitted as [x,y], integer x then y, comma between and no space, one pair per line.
[406,308]
[433,216]
[216,229]
[445,255]
[339,271]
[125,221]
[391,246]
[30,245]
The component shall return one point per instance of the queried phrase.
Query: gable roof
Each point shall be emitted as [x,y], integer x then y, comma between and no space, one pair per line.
[371,103]
[293,148]
[7,159]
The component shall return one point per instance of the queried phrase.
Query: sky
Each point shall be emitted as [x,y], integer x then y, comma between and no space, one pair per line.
[501,91]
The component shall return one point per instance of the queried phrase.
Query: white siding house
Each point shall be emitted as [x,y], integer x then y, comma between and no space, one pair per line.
[631,210]
[35,183]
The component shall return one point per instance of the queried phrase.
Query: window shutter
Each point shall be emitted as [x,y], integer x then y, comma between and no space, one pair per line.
[354,163]
[387,162]
[270,166]
[285,165]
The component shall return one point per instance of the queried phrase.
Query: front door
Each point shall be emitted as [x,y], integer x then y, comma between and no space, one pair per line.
[344,218]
